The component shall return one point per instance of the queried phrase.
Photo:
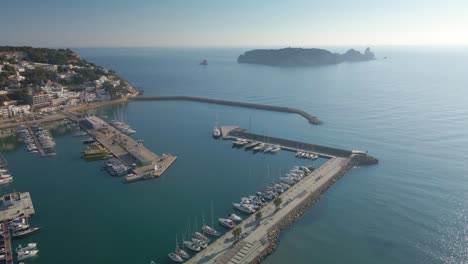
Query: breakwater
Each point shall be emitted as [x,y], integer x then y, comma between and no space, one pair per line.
[312,119]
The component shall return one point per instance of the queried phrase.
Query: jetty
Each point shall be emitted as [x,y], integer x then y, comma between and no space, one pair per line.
[12,206]
[260,240]
[144,163]
[312,119]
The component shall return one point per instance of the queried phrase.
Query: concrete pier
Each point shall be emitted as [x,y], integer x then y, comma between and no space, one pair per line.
[312,119]
[260,239]
[145,164]
[12,206]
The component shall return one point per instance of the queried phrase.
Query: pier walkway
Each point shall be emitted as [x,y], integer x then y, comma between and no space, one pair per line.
[7,243]
[257,240]
[144,163]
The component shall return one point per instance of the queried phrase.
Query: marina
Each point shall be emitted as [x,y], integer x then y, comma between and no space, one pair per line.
[143,163]
[37,139]
[270,210]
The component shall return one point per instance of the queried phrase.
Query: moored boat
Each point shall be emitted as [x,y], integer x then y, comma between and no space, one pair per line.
[216,132]
[27,232]
[174,257]
[210,231]
[192,246]
[227,222]
[235,217]
[27,254]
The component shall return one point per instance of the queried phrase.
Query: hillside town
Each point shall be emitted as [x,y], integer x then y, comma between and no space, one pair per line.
[35,81]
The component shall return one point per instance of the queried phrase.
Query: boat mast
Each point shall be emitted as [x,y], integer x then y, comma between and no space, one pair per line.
[212,221]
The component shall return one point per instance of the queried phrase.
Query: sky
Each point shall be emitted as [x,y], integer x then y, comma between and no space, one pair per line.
[235,23]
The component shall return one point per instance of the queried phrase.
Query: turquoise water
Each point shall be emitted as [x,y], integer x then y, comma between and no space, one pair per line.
[409,111]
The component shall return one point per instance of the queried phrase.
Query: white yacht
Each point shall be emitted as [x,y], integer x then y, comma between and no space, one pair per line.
[27,254]
[276,149]
[235,218]
[6,180]
[216,132]
[243,208]
[259,147]
[29,246]
[227,222]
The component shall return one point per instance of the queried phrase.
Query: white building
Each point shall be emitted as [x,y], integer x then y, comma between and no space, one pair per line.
[19,110]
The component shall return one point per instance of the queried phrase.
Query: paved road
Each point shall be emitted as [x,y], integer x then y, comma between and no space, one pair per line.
[223,250]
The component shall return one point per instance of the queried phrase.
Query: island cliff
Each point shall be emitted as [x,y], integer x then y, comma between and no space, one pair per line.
[290,57]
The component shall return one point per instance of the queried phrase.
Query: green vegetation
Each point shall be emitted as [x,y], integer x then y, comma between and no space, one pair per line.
[38,76]
[236,232]
[278,201]
[44,55]
[258,217]
[19,96]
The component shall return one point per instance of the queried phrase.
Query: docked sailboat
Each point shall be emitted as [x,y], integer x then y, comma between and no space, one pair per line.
[209,230]
[276,149]
[268,148]
[174,257]
[200,243]
[180,252]
[251,145]
[201,237]
[259,147]
[227,223]
[192,246]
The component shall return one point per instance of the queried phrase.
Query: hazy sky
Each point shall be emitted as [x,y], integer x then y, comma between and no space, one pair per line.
[77,23]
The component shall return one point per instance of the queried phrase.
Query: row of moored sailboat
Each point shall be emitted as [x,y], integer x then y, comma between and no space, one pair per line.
[247,205]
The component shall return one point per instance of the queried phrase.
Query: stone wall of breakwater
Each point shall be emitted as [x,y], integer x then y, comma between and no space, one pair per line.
[275,231]
[292,144]
[312,119]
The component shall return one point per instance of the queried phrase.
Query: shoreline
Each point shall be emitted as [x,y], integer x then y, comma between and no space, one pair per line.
[63,114]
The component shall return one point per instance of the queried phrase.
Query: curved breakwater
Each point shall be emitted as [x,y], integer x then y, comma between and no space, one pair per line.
[312,119]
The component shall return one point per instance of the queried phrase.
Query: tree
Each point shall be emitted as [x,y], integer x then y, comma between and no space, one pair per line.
[237,232]
[258,216]
[278,201]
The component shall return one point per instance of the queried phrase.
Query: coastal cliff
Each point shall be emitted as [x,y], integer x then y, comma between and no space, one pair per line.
[292,57]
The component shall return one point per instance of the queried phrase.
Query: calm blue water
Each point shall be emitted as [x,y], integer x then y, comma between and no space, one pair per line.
[409,111]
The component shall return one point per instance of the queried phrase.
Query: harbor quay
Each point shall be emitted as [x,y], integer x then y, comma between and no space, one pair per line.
[144,163]
[12,206]
[260,236]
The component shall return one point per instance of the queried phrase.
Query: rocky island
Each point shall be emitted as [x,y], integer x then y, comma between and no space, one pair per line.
[293,57]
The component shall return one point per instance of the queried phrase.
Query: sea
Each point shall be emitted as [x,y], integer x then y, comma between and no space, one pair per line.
[410,110]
